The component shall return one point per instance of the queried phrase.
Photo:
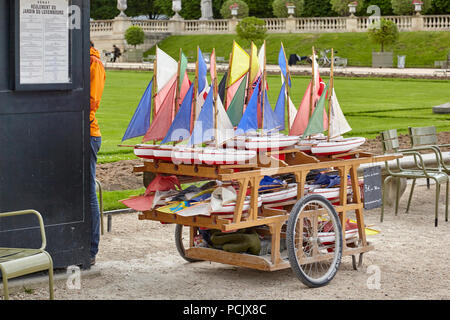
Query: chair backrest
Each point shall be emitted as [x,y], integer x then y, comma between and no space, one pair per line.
[389,141]
[421,136]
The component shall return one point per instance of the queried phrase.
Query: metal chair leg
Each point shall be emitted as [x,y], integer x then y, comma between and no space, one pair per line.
[446,201]
[410,195]
[386,180]
[438,190]
[397,196]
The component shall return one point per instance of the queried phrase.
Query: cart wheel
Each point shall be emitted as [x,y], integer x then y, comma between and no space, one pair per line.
[360,262]
[314,240]
[148,178]
[179,238]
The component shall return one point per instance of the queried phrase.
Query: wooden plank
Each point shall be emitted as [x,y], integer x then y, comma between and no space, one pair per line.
[275,230]
[255,223]
[243,186]
[211,172]
[254,198]
[357,199]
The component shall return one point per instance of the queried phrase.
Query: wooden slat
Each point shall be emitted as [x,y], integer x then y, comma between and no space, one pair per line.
[243,186]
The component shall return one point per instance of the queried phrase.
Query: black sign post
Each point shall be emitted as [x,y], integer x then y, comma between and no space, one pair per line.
[44,125]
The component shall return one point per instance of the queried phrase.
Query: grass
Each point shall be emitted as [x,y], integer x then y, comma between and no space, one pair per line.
[420,48]
[111,198]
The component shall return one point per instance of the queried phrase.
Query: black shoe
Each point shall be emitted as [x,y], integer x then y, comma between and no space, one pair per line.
[92,261]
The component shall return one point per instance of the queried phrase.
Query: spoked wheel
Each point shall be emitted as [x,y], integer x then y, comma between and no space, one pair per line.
[182,238]
[314,241]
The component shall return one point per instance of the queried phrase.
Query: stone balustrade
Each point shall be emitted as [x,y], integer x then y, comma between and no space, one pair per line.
[107,32]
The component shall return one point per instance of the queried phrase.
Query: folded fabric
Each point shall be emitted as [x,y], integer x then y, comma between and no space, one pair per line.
[270,183]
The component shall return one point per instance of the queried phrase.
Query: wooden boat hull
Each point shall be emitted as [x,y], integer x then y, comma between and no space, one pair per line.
[337,146]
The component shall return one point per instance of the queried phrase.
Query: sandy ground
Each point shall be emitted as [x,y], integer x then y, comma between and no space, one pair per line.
[138,260]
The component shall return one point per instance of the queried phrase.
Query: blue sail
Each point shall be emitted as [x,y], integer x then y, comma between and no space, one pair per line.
[270,118]
[281,106]
[204,125]
[249,121]
[140,123]
[181,125]
[202,72]
[283,64]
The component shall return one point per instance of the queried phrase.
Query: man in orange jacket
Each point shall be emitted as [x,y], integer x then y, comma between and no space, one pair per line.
[97,85]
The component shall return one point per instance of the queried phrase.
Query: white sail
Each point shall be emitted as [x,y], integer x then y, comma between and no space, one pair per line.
[166,68]
[292,113]
[338,123]
[262,57]
[225,129]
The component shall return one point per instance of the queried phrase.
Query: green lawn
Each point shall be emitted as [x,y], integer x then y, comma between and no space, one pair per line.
[370,105]
[421,48]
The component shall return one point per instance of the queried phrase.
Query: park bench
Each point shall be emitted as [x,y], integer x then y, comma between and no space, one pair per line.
[16,262]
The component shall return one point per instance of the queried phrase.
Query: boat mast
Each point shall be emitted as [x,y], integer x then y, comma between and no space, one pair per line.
[216,93]
[177,96]
[288,76]
[330,93]
[194,100]
[263,98]
[249,80]
[230,62]
[155,86]
[313,81]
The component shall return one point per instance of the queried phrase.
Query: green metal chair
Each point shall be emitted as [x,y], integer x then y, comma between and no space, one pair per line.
[16,262]
[390,144]
[427,137]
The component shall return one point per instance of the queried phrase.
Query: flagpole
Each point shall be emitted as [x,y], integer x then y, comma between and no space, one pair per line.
[330,94]
[194,100]
[288,76]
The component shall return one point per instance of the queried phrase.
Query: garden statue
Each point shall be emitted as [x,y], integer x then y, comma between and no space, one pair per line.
[176,7]
[207,13]
[122,6]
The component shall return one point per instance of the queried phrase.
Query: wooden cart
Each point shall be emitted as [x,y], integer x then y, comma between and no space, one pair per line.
[314,260]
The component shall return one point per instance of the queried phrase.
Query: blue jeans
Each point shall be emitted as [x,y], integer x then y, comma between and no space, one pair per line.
[96,143]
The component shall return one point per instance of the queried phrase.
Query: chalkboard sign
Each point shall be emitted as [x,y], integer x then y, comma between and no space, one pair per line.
[372,188]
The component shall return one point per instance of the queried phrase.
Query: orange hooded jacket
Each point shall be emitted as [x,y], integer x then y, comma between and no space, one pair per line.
[98,78]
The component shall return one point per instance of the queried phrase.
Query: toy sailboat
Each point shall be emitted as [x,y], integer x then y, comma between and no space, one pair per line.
[313,141]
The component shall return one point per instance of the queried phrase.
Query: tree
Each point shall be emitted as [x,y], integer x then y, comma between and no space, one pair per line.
[280,9]
[440,7]
[104,9]
[406,7]
[384,5]
[225,11]
[384,32]
[341,6]
[190,9]
[258,8]
[252,29]
[318,8]
[134,36]
[149,8]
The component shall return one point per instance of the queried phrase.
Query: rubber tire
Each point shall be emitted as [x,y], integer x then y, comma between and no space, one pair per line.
[180,245]
[290,241]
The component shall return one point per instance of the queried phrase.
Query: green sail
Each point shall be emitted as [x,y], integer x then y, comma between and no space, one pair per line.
[315,124]
[236,108]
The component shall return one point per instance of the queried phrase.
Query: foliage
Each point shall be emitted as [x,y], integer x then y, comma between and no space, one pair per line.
[280,9]
[318,8]
[190,9]
[384,32]
[104,9]
[440,7]
[406,7]
[259,8]
[384,5]
[134,36]
[252,29]
[149,8]
[341,6]
[243,10]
